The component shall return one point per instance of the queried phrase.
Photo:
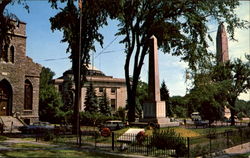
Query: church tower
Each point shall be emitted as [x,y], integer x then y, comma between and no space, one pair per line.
[221,44]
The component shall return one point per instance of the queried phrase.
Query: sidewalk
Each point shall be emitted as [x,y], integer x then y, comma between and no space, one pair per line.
[236,150]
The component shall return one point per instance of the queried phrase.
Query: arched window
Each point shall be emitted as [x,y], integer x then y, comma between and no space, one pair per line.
[5,53]
[12,54]
[28,95]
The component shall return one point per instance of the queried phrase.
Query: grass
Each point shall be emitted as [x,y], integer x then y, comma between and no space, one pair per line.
[204,131]
[56,154]
[29,145]
[3,138]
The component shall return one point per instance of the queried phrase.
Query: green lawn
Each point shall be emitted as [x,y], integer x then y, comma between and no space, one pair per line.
[29,145]
[39,150]
[204,131]
[56,154]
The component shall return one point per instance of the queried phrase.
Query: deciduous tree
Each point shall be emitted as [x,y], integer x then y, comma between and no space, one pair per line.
[68,20]
[181,28]
[50,101]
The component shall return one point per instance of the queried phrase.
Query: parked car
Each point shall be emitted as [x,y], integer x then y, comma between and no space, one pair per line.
[112,125]
[201,123]
[36,127]
[195,116]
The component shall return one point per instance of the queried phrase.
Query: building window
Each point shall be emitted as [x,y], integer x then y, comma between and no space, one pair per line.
[60,88]
[12,52]
[28,95]
[101,89]
[112,90]
[4,55]
[113,104]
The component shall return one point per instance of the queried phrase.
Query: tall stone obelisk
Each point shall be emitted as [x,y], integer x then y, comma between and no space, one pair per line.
[222,55]
[154,110]
[222,45]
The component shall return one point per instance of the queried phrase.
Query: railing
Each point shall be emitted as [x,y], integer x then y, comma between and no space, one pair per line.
[150,146]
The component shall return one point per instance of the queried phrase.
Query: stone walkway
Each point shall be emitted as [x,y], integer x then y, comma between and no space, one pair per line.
[236,150]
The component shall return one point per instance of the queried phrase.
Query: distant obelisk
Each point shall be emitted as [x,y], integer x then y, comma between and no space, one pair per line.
[222,55]
[154,110]
[222,45]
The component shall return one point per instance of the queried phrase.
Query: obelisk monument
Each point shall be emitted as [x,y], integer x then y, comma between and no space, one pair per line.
[154,110]
[222,45]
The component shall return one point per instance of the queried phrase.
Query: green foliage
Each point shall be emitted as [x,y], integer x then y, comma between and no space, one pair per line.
[91,101]
[68,95]
[141,97]
[50,101]
[237,76]
[105,108]
[121,113]
[168,139]
[211,133]
[179,106]
[68,21]
[180,27]
[3,138]
[93,119]
[165,97]
[90,18]
[180,111]
[243,107]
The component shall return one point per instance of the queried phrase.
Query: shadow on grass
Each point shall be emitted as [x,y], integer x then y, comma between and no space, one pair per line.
[56,153]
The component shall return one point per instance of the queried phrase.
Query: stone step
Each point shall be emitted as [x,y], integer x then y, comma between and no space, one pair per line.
[11,124]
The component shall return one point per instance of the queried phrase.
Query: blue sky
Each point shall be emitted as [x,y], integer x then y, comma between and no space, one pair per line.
[43,46]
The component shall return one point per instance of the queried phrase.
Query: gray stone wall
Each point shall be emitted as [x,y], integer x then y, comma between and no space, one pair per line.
[16,73]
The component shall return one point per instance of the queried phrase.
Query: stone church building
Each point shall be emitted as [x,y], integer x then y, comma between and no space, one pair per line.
[19,79]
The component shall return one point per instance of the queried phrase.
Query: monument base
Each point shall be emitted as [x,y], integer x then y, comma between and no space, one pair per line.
[155,112]
[155,109]
[161,121]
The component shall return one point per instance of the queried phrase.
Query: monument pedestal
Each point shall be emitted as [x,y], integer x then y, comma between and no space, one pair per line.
[155,112]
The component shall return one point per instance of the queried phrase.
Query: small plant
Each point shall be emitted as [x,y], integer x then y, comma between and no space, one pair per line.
[212,133]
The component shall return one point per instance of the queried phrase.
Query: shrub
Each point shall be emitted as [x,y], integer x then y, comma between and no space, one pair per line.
[121,113]
[48,136]
[168,139]
[199,150]
[211,133]
[92,119]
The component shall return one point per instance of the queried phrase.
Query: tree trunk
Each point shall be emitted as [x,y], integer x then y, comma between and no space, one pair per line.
[232,116]
[232,110]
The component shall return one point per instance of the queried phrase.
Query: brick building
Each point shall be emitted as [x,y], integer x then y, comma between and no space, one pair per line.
[19,79]
[115,87]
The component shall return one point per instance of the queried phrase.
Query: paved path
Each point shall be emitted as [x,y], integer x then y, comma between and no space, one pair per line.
[233,151]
